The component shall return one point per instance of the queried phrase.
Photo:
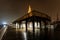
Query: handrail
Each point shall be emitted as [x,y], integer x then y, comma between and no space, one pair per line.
[2,32]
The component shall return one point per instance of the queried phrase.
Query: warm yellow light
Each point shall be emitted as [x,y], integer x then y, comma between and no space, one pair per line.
[29,10]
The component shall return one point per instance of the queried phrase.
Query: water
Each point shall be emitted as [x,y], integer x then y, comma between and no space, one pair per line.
[19,34]
[38,34]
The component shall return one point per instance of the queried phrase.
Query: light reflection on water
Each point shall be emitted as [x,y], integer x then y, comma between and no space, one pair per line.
[38,35]
[24,35]
[37,31]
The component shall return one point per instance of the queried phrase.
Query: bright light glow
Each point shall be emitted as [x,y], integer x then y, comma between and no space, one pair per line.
[38,25]
[52,27]
[30,24]
[23,25]
[17,25]
[35,24]
[4,23]
[29,10]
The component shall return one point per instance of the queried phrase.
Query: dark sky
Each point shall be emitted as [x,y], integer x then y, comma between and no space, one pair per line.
[10,10]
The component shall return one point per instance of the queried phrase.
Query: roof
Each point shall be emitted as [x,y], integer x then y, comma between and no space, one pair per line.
[33,13]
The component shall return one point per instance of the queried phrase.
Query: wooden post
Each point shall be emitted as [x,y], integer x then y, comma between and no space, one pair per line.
[40,24]
[40,30]
[37,22]
[26,25]
[46,32]
[33,25]
[33,28]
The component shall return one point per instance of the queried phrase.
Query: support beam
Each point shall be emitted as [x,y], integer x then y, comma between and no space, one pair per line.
[37,22]
[19,25]
[33,25]
[40,30]
[46,32]
[40,26]
[26,25]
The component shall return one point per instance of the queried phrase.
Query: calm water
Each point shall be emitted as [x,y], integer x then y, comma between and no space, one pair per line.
[12,34]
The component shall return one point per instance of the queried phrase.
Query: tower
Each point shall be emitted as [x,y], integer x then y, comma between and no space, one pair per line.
[29,9]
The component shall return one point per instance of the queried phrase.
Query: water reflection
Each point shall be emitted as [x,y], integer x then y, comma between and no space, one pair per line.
[30,35]
[39,34]
[21,34]
[24,35]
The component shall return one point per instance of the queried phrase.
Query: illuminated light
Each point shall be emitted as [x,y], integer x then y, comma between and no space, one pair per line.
[17,26]
[4,23]
[35,24]
[52,27]
[23,25]
[29,10]
[30,25]
[38,25]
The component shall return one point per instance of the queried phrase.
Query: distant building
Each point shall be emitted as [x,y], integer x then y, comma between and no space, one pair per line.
[56,25]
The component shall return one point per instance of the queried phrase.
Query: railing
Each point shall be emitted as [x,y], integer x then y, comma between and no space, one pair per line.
[2,32]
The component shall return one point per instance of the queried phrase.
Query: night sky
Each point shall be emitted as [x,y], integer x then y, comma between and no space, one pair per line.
[10,10]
